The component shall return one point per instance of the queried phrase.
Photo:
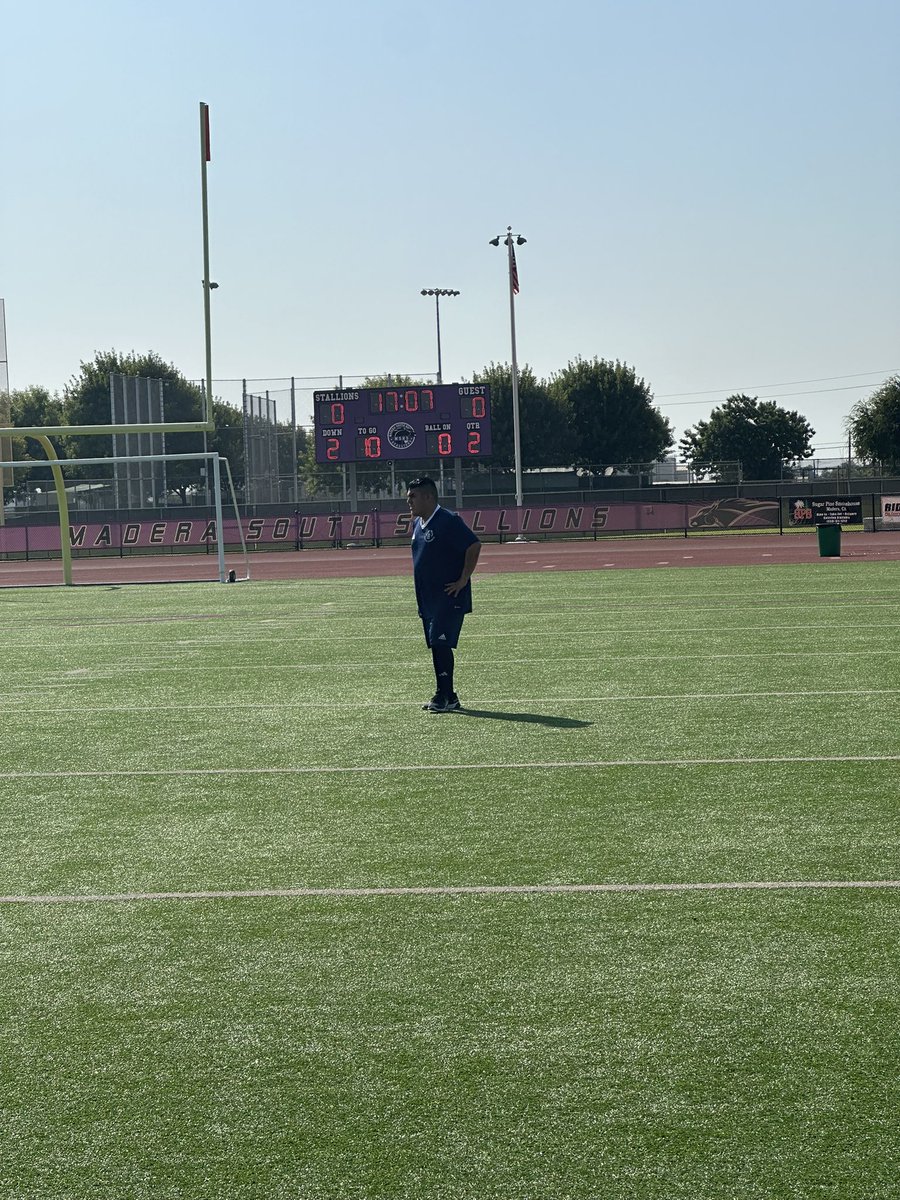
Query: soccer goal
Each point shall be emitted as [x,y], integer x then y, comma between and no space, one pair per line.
[111,546]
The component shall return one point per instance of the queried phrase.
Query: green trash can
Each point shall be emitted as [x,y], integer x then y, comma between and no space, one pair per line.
[829,541]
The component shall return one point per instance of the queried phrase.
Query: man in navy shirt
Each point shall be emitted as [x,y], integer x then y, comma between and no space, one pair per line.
[444,551]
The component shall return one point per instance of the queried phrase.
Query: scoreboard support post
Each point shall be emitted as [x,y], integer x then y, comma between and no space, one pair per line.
[354,494]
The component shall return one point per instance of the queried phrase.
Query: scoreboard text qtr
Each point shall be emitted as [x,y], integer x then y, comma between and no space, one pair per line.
[447,420]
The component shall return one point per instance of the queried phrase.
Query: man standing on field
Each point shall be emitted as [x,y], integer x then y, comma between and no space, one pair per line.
[445,552]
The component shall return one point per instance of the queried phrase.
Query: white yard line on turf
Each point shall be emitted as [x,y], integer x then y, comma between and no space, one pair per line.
[290,627]
[560,631]
[121,668]
[495,702]
[449,890]
[575,764]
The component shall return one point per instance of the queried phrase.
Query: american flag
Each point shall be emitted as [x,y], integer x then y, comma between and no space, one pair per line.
[515,270]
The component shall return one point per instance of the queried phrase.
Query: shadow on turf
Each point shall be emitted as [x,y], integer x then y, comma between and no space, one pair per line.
[528,718]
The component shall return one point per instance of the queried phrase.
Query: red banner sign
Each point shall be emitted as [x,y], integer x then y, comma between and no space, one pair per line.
[297,529]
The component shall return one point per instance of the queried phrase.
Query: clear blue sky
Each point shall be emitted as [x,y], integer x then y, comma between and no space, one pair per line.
[708,189]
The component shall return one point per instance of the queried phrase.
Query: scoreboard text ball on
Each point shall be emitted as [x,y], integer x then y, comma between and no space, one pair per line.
[447,420]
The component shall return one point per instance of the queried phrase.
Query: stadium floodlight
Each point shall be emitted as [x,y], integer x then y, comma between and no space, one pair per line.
[437,293]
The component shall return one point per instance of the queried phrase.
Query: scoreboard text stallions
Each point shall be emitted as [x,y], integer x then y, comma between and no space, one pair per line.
[446,420]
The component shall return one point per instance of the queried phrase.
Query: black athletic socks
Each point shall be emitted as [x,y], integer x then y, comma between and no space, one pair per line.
[442,657]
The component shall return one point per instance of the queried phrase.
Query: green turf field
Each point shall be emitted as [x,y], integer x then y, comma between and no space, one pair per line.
[330,1040]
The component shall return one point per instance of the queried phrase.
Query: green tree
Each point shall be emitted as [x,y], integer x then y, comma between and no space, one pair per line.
[392,381]
[544,431]
[33,406]
[183,401]
[874,425]
[227,439]
[764,438]
[86,402]
[610,412]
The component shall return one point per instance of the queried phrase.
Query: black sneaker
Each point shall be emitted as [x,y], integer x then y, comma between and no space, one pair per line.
[441,703]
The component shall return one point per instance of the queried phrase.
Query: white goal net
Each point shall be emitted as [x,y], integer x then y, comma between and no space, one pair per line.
[47,540]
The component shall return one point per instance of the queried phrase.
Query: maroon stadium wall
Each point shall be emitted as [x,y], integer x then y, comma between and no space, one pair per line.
[300,529]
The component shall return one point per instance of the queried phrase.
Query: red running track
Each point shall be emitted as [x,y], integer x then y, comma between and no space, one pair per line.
[719,550]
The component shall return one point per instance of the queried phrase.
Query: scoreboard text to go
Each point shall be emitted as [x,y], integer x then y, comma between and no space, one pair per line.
[451,420]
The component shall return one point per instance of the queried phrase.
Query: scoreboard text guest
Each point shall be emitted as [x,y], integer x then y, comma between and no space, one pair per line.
[450,420]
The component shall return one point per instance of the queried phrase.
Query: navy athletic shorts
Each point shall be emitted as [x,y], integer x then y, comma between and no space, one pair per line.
[443,630]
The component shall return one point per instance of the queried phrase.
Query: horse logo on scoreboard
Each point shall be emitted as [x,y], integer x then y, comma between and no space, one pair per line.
[401,435]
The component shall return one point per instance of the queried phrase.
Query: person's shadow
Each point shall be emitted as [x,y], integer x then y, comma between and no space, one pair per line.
[526,718]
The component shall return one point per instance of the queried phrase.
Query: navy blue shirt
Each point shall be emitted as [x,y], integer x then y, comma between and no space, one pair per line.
[439,555]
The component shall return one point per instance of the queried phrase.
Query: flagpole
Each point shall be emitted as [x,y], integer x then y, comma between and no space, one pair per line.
[513,288]
[512,240]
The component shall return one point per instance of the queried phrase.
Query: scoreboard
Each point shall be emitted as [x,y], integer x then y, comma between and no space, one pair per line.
[447,420]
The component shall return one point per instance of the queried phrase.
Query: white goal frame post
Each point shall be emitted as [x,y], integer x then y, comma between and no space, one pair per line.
[56,464]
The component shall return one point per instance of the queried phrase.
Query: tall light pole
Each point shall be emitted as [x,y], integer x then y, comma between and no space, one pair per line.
[437,293]
[205,156]
[511,240]
[208,285]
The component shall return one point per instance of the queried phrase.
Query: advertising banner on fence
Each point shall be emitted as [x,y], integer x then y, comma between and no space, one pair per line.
[890,512]
[837,510]
[801,512]
[827,510]
[736,513]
